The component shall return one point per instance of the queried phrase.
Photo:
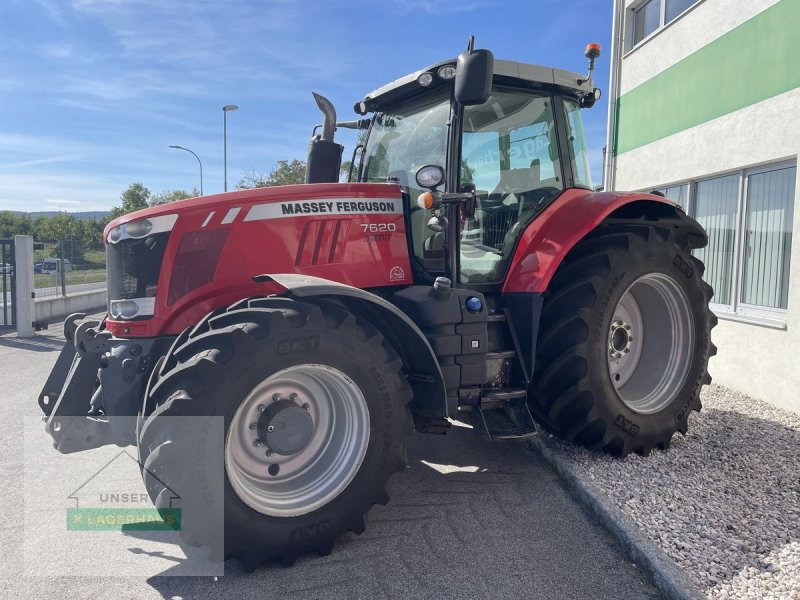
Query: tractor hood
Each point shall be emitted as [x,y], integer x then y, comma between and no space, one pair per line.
[216,204]
[171,264]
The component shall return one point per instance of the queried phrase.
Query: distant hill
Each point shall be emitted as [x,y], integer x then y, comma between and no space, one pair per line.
[91,214]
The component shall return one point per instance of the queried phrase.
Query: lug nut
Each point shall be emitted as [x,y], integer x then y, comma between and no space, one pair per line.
[260,408]
[293,397]
[257,443]
[307,406]
[269,452]
[253,426]
[276,397]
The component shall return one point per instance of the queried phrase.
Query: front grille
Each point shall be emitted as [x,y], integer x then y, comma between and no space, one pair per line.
[134,266]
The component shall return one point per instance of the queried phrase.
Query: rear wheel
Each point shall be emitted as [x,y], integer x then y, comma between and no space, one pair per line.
[314,404]
[624,339]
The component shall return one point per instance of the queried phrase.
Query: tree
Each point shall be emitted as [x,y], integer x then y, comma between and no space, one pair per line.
[346,164]
[135,197]
[172,195]
[12,224]
[286,173]
[66,227]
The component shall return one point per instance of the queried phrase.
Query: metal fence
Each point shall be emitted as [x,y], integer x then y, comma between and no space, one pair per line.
[63,267]
[7,285]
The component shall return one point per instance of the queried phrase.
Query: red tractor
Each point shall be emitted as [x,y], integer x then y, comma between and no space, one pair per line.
[467,271]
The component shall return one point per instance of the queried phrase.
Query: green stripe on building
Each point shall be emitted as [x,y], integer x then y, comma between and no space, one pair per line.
[754,62]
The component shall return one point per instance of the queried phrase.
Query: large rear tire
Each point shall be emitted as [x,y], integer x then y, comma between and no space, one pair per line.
[314,403]
[624,339]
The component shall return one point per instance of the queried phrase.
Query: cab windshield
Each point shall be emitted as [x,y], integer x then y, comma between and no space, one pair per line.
[402,141]
[510,153]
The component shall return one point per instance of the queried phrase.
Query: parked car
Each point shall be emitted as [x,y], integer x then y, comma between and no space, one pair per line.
[55,265]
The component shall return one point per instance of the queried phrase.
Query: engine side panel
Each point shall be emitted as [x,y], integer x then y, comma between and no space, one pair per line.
[548,239]
[348,233]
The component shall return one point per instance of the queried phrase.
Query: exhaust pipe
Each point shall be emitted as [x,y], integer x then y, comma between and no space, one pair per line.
[329,112]
[324,155]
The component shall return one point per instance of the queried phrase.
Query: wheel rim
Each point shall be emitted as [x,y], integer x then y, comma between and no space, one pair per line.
[297,440]
[650,343]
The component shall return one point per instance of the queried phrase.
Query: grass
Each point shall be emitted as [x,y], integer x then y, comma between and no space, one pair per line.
[44,280]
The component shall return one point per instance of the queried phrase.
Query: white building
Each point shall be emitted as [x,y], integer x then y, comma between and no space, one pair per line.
[705,98]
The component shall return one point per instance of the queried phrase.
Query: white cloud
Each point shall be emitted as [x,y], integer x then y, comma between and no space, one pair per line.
[439,7]
[33,192]
[61,201]
[57,51]
[37,161]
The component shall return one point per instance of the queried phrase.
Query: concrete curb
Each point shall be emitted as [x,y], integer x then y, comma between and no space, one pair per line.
[668,577]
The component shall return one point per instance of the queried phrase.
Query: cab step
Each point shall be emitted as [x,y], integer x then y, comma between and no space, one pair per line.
[505,416]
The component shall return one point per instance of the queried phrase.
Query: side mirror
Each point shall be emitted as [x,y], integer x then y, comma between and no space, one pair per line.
[474,71]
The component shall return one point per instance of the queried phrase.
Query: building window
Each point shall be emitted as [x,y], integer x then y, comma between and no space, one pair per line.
[650,15]
[767,238]
[674,8]
[748,217]
[646,19]
[715,207]
[677,193]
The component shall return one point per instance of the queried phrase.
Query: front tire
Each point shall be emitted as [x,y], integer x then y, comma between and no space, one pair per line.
[315,413]
[624,339]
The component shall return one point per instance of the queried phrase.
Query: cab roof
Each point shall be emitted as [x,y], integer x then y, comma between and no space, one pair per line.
[407,87]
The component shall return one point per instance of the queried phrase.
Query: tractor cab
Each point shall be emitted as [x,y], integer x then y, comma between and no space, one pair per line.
[510,155]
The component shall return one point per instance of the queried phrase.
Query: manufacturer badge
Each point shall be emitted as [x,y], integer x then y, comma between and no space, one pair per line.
[397,274]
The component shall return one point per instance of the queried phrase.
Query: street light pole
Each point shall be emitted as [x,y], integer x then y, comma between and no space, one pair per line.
[198,162]
[225,110]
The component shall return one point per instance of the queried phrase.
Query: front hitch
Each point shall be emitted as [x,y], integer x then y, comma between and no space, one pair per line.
[65,398]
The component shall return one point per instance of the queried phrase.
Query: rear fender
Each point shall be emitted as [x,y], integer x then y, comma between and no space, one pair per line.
[550,237]
[424,374]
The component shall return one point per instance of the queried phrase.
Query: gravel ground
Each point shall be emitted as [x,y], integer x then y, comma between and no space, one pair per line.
[722,502]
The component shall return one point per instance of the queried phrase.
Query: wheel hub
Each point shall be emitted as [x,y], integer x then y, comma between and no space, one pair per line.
[285,428]
[620,339]
[297,440]
[650,343]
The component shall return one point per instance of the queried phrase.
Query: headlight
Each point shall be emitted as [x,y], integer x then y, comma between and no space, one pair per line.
[124,309]
[114,235]
[446,72]
[134,307]
[425,79]
[138,229]
[142,228]
[430,176]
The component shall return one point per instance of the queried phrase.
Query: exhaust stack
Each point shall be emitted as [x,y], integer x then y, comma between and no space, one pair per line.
[329,113]
[324,155]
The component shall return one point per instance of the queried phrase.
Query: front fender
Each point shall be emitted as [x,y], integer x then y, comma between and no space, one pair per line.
[425,376]
[550,237]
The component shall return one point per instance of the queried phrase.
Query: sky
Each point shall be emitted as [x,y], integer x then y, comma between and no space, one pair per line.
[92,92]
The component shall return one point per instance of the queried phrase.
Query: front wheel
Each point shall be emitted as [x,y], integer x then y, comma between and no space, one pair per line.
[315,413]
[624,340]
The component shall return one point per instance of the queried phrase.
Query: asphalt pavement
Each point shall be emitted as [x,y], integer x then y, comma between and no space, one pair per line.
[467,519]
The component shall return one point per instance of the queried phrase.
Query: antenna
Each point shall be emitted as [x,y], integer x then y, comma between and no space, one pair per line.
[471,44]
